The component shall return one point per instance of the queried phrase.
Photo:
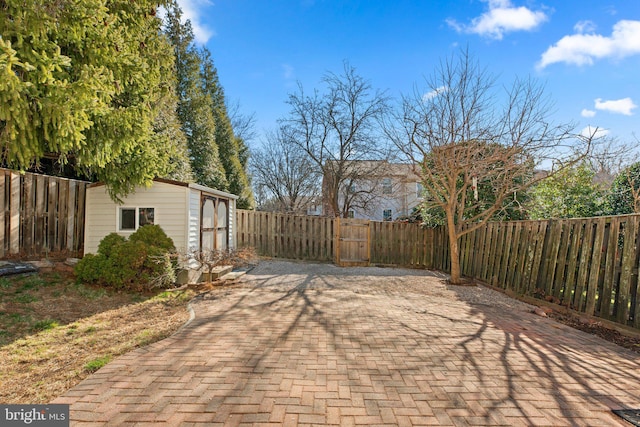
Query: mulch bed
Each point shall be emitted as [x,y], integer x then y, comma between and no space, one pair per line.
[596,328]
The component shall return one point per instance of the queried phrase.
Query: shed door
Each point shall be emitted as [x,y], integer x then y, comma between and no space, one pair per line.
[222,226]
[207,224]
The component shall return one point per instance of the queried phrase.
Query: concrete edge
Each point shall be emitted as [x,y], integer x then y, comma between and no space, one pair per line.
[192,316]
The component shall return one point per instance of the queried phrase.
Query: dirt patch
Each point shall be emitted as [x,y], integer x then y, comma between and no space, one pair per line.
[54,332]
[596,328]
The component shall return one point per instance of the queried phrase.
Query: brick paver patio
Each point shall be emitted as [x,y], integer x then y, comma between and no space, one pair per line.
[325,345]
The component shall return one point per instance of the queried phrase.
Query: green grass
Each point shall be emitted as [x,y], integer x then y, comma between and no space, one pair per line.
[88,292]
[5,283]
[96,364]
[25,298]
[43,325]
[17,317]
[29,282]
[146,337]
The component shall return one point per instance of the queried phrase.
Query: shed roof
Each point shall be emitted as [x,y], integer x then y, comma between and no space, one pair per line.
[195,186]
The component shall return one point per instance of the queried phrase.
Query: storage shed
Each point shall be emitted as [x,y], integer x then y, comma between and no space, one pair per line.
[196,217]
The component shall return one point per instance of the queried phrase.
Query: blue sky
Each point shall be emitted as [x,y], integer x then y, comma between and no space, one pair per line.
[585,52]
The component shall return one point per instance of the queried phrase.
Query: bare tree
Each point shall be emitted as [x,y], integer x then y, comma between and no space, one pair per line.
[607,158]
[284,174]
[338,130]
[459,138]
[244,125]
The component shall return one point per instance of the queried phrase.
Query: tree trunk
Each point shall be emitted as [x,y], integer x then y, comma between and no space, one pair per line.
[454,250]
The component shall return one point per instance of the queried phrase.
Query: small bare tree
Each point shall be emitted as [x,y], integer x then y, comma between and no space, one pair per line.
[284,174]
[337,130]
[459,138]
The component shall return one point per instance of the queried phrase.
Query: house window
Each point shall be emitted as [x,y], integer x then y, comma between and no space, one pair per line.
[130,219]
[386,186]
[419,190]
[387,214]
[350,214]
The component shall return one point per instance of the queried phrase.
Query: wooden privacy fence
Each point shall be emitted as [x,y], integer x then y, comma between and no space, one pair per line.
[590,265]
[318,239]
[41,215]
[286,236]
[409,245]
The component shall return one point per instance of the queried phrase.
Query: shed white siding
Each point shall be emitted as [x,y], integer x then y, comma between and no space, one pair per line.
[168,201]
[194,219]
[232,225]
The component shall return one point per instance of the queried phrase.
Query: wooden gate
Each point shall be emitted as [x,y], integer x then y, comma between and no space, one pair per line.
[353,248]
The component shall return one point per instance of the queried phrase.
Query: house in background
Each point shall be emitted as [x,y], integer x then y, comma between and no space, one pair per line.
[380,191]
[195,217]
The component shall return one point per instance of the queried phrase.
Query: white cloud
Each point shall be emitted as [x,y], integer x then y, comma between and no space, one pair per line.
[502,17]
[587,113]
[584,27]
[432,94]
[583,49]
[619,106]
[288,71]
[192,10]
[594,132]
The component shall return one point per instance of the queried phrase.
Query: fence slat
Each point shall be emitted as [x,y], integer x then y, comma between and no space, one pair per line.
[594,272]
[3,212]
[27,212]
[628,261]
[609,275]
[586,254]
[14,243]
[70,220]
[40,214]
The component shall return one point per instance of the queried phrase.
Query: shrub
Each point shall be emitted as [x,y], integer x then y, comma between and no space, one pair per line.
[153,235]
[91,268]
[142,262]
[109,243]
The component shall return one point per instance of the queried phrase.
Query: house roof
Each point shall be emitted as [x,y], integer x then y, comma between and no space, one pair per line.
[195,186]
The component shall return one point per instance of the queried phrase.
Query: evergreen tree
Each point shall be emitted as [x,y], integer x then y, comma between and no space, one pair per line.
[84,82]
[168,133]
[231,148]
[571,193]
[624,196]
[195,105]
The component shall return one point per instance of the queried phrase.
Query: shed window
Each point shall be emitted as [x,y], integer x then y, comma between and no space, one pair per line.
[130,219]
[127,219]
[145,216]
